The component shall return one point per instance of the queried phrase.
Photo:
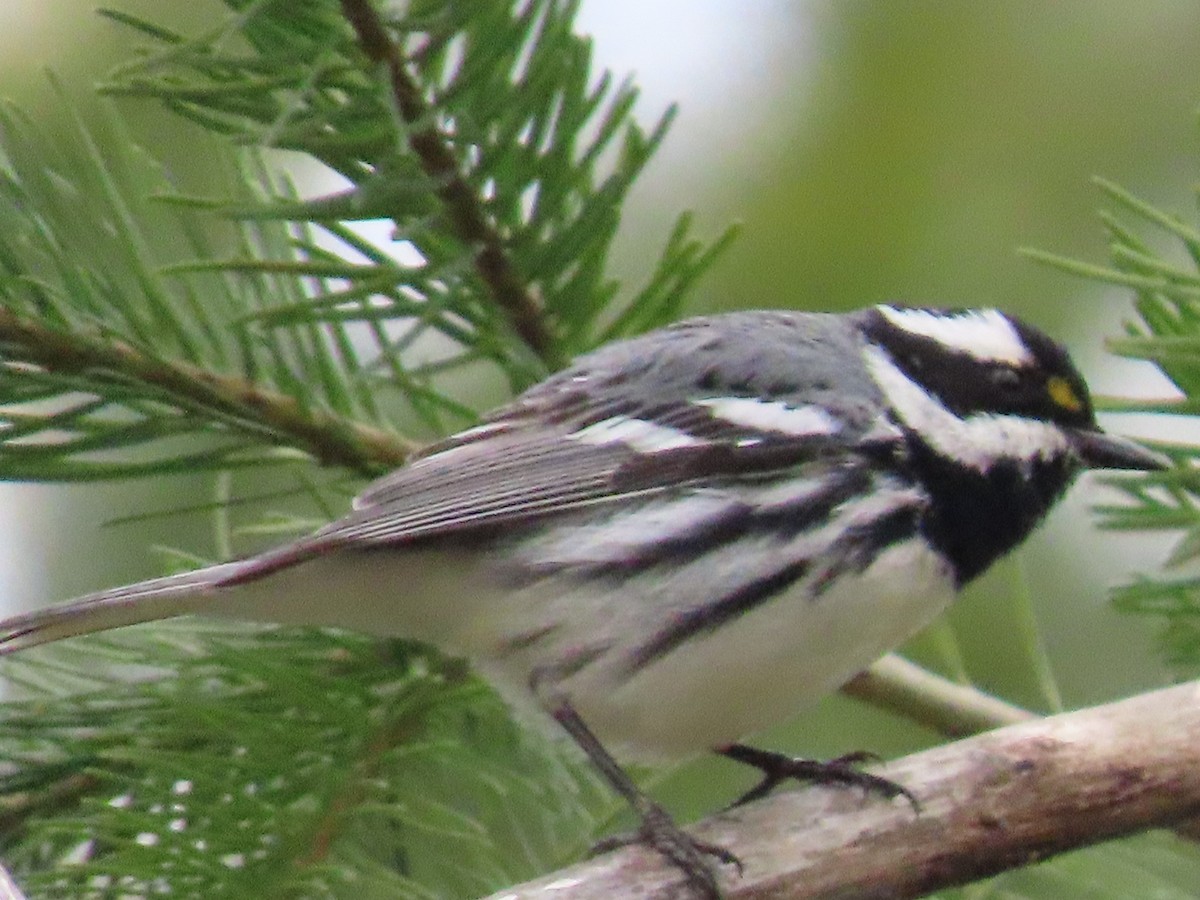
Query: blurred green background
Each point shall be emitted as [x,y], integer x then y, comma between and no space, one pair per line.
[874,151]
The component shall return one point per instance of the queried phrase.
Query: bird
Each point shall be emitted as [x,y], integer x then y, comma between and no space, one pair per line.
[684,537]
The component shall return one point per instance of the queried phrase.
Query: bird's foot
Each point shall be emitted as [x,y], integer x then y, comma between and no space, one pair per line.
[696,859]
[843,771]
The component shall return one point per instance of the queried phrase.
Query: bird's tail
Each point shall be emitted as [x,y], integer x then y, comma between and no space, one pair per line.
[146,601]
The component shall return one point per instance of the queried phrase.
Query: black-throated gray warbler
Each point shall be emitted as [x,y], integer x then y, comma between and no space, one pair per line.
[685,537]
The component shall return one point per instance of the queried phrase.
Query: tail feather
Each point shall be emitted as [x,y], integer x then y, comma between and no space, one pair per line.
[146,601]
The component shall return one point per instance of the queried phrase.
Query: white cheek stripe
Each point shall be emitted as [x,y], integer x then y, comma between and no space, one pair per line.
[977,441]
[772,415]
[636,434]
[983,334]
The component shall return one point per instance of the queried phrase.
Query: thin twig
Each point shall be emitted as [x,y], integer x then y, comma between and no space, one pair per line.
[408,728]
[332,440]
[463,206]
[951,709]
[989,803]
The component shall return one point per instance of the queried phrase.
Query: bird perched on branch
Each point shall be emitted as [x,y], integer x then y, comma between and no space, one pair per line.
[685,537]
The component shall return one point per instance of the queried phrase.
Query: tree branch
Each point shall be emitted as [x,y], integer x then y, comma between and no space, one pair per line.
[951,709]
[330,439]
[990,803]
[466,215]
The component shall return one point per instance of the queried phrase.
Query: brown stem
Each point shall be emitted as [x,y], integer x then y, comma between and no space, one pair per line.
[407,729]
[332,440]
[463,207]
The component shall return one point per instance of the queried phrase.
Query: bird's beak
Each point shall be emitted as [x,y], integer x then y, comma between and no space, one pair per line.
[1107,451]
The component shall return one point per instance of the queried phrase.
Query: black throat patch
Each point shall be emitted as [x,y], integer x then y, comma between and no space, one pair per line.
[976,517]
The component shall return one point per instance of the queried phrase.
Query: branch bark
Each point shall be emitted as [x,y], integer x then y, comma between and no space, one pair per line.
[990,803]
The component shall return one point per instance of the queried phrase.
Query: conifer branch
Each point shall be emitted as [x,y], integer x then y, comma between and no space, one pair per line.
[1165,333]
[329,438]
[467,218]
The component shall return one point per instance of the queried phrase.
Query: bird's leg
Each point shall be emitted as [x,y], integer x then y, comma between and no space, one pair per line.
[690,855]
[844,771]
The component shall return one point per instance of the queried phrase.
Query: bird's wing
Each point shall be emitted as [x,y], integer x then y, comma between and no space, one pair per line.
[543,471]
[626,420]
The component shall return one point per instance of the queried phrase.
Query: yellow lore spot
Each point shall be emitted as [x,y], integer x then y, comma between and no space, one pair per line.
[1063,394]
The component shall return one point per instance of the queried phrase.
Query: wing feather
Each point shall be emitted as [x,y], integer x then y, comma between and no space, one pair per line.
[478,484]
[691,403]
[516,476]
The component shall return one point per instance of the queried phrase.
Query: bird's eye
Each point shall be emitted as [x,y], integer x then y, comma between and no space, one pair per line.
[1006,380]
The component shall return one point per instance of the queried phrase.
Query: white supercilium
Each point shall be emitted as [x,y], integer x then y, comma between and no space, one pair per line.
[984,334]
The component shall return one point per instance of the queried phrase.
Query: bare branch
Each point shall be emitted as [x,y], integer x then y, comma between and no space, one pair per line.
[990,803]
[951,709]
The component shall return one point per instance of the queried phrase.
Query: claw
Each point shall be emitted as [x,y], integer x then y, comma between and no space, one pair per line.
[692,856]
[843,771]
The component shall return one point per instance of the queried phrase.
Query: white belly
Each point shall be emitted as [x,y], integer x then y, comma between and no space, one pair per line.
[716,688]
[761,668]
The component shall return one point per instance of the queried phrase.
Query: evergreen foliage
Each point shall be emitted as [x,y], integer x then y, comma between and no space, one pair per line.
[277,764]
[1156,256]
